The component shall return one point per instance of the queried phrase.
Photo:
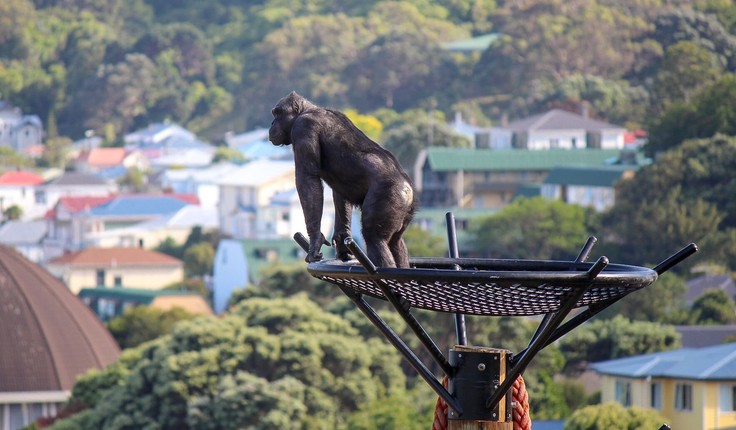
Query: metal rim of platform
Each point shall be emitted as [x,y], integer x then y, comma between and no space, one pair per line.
[491,287]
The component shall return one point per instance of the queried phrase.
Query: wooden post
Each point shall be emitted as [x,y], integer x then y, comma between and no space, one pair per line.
[480,371]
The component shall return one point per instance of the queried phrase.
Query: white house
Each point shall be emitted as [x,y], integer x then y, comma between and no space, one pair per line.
[247,191]
[18,188]
[73,185]
[553,129]
[18,131]
[201,182]
[157,133]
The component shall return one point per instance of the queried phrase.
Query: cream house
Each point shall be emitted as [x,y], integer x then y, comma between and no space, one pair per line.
[694,388]
[246,193]
[115,267]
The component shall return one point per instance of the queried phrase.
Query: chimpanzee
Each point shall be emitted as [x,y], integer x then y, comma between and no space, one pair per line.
[329,147]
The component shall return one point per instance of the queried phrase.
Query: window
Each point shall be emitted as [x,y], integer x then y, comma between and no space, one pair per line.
[655,400]
[118,281]
[727,397]
[100,278]
[623,392]
[684,397]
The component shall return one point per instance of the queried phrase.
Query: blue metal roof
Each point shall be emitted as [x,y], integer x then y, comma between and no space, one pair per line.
[711,363]
[139,205]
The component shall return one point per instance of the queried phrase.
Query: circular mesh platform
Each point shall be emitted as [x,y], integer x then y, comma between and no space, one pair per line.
[487,286]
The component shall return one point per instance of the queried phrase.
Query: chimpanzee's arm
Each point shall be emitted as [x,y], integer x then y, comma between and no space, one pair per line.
[343,216]
[308,183]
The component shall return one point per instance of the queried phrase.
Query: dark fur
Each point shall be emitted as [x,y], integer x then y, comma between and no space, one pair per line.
[329,147]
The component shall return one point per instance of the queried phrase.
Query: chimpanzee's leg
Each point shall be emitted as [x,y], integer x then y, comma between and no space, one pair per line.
[386,212]
[343,216]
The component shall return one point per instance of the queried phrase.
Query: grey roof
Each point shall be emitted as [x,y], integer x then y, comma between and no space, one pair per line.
[558,119]
[711,363]
[76,179]
[697,286]
[49,336]
[23,232]
[698,336]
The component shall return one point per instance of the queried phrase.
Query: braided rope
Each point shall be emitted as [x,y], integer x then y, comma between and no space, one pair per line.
[520,407]
[520,403]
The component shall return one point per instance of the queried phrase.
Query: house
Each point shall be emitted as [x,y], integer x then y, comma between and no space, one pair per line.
[25,237]
[75,219]
[96,160]
[489,179]
[554,129]
[157,133]
[109,303]
[17,131]
[150,234]
[70,185]
[18,188]
[115,267]
[592,187]
[239,263]
[201,182]
[694,388]
[696,287]
[185,158]
[247,191]
[49,338]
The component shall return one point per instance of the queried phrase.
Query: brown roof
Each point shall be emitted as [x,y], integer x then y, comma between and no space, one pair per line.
[48,335]
[116,257]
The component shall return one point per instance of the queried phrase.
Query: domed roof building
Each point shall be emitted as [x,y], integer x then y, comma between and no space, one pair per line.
[48,337]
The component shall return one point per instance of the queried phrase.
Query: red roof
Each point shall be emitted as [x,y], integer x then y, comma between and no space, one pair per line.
[116,257]
[20,178]
[103,156]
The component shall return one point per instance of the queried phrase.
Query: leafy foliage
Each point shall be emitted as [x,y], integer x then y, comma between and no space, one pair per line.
[614,416]
[616,338]
[270,363]
[140,324]
[534,228]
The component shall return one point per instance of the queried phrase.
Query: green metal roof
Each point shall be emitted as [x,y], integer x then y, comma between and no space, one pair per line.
[603,176]
[489,160]
[139,295]
[479,43]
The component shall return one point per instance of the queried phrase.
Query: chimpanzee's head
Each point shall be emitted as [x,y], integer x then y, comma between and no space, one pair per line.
[284,113]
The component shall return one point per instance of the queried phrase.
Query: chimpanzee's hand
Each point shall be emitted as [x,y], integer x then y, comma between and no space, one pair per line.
[315,253]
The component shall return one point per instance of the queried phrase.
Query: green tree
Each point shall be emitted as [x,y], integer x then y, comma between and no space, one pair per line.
[269,363]
[536,228]
[56,153]
[680,198]
[13,212]
[611,416]
[141,323]
[228,154]
[662,302]
[424,244]
[711,112]
[134,180]
[618,337]
[416,130]
[685,68]
[714,307]
[199,259]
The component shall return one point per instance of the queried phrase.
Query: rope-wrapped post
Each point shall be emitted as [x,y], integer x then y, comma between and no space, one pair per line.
[479,371]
